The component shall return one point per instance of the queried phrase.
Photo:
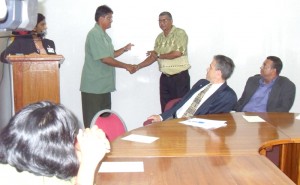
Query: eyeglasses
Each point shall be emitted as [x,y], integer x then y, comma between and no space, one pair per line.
[163,20]
[266,67]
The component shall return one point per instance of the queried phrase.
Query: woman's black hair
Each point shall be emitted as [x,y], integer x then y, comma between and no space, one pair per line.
[40,17]
[40,139]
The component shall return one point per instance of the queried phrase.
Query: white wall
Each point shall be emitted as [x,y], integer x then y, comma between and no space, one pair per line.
[246,31]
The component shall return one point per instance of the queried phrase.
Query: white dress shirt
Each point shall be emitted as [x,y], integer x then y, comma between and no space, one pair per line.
[187,104]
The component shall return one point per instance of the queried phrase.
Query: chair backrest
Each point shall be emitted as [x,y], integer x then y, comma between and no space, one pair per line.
[169,105]
[110,122]
[286,153]
[147,122]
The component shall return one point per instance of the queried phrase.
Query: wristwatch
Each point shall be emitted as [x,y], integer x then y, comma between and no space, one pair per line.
[158,55]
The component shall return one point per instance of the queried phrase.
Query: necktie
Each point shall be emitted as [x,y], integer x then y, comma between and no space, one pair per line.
[193,107]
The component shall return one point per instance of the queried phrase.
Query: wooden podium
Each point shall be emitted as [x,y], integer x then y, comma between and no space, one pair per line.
[35,78]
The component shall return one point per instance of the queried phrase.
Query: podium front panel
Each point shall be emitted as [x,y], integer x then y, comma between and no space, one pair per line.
[35,78]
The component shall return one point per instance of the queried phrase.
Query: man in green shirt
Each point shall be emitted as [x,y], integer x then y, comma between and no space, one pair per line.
[98,73]
[170,51]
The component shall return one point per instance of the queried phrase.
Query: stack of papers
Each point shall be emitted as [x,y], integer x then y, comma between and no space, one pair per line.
[204,123]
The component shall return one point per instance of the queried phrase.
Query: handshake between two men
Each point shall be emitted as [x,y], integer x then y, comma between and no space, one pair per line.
[152,56]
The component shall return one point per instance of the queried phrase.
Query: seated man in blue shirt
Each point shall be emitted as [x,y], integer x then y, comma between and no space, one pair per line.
[267,92]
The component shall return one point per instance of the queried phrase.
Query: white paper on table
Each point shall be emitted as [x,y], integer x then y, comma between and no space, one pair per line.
[204,123]
[137,166]
[253,118]
[140,138]
[298,117]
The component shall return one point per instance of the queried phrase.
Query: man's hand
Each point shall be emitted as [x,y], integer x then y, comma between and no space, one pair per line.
[155,118]
[152,54]
[127,47]
[131,68]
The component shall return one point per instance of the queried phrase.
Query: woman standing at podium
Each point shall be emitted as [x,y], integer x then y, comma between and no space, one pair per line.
[32,43]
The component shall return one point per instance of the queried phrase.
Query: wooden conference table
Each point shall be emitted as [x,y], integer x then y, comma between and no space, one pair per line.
[191,155]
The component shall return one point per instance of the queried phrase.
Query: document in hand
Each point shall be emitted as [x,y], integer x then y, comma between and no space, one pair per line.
[204,123]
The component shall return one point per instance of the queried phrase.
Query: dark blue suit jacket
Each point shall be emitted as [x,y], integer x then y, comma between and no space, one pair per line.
[221,101]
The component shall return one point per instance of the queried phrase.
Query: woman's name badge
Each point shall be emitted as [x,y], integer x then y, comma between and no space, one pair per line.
[50,50]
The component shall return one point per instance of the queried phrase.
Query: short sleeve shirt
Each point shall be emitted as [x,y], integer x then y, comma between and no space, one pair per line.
[176,40]
[97,77]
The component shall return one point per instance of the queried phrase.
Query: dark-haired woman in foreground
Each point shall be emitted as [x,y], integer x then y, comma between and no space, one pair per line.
[37,147]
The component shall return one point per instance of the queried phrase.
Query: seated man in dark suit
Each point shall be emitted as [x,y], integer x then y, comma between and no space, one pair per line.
[267,92]
[218,96]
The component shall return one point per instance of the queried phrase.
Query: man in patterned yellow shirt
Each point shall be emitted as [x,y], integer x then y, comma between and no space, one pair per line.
[170,51]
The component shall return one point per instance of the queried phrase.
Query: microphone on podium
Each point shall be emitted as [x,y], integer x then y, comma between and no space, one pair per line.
[24,34]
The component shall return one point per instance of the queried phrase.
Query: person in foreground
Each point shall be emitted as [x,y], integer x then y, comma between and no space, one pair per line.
[42,145]
[34,43]
[207,96]
[170,51]
[267,92]
[98,77]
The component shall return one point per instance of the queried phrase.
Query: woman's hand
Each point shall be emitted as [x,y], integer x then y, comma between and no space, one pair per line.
[92,145]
